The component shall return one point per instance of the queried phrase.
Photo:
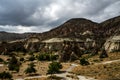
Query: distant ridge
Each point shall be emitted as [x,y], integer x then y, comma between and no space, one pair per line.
[73,28]
[6,36]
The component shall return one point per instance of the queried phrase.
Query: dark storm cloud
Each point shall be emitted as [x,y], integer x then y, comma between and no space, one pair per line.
[41,15]
[15,12]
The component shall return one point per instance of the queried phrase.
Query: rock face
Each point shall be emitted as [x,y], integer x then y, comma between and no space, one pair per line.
[59,40]
[85,35]
[110,27]
[6,48]
[113,44]
[30,42]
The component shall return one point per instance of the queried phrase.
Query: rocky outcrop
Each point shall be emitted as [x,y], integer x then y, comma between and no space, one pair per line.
[87,33]
[71,51]
[113,44]
[7,48]
[59,40]
[90,43]
[68,49]
[110,27]
[30,43]
[72,39]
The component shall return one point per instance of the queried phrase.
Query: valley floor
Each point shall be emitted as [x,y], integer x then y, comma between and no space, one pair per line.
[105,69]
[74,72]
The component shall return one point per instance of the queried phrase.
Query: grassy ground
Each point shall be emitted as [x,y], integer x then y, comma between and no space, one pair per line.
[102,72]
[40,66]
[98,71]
[111,56]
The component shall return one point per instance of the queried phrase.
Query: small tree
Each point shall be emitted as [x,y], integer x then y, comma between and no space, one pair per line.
[47,57]
[31,58]
[83,61]
[5,75]
[54,67]
[13,60]
[1,60]
[41,57]
[53,57]
[30,69]
[22,59]
[14,64]
[31,53]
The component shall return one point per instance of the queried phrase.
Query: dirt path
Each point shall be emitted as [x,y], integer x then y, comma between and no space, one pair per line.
[32,77]
[67,72]
[1,65]
[108,62]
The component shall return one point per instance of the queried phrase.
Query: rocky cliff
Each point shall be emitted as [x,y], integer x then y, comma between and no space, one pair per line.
[111,33]
[113,44]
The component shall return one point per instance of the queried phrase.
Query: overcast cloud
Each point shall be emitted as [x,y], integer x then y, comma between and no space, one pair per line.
[42,15]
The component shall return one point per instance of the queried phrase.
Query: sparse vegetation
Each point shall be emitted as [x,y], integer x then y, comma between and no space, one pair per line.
[22,59]
[14,64]
[30,69]
[31,58]
[54,67]
[47,57]
[113,51]
[1,60]
[101,71]
[5,76]
[31,53]
[84,61]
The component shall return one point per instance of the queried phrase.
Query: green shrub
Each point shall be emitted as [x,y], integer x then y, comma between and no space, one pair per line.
[13,64]
[14,67]
[47,57]
[31,53]
[5,75]
[83,61]
[54,57]
[1,60]
[31,58]
[30,69]
[22,59]
[54,67]
[115,50]
[41,57]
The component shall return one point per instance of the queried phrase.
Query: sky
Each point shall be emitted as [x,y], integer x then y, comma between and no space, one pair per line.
[22,16]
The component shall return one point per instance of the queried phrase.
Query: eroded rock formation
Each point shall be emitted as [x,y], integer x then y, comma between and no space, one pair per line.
[113,44]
